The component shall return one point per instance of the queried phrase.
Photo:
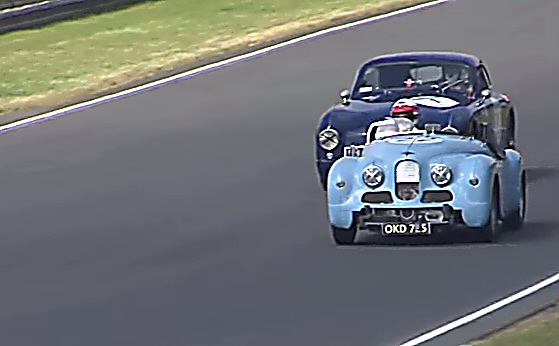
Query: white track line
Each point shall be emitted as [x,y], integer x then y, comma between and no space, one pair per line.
[482,312]
[24,7]
[209,67]
[111,97]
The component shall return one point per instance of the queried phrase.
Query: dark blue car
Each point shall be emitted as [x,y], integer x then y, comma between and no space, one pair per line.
[452,89]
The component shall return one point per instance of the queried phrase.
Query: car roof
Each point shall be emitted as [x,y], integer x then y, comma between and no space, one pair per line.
[464,58]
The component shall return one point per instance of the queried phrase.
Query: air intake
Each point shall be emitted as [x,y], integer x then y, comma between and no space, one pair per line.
[407,180]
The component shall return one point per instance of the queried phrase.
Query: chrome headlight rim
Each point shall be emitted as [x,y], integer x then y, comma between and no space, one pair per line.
[441,174]
[331,142]
[373,176]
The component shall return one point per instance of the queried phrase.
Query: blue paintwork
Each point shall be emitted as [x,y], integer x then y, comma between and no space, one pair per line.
[352,120]
[463,58]
[464,155]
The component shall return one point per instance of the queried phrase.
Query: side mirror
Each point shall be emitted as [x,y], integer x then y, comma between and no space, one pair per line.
[485,94]
[344,94]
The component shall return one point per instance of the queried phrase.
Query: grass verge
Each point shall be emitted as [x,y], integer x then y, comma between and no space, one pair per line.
[70,60]
[539,330]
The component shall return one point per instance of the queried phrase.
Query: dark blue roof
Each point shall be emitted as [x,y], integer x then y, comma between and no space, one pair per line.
[419,56]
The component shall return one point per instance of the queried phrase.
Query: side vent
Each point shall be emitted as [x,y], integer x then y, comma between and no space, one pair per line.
[377,197]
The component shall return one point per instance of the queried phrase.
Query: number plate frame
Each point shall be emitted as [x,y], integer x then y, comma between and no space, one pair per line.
[406,229]
[358,151]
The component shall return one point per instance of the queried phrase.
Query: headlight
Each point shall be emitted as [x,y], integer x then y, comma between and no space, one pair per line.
[373,176]
[328,139]
[441,174]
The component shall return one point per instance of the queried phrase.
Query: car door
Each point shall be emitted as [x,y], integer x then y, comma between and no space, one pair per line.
[490,109]
[482,108]
[501,112]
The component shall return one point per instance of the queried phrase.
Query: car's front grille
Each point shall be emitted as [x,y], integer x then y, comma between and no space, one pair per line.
[407,191]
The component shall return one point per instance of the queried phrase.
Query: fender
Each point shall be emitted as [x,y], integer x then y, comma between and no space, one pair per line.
[512,181]
[339,173]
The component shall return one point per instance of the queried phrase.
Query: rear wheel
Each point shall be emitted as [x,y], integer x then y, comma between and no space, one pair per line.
[490,232]
[516,220]
[473,130]
[344,236]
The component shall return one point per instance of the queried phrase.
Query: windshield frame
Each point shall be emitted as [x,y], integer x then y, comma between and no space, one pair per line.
[423,90]
[422,133]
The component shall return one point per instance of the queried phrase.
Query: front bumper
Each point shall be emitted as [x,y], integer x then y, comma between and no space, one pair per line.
[351,210]
[371,219]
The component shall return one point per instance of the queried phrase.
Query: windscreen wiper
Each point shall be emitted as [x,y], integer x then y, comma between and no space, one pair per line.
[453,84]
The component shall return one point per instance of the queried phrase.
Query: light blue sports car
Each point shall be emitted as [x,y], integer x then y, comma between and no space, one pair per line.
[419,182]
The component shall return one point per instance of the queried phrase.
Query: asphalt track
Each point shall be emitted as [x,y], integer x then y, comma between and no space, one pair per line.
[191,214]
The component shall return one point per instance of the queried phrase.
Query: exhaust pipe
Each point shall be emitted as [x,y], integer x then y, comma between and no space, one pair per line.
[407,214]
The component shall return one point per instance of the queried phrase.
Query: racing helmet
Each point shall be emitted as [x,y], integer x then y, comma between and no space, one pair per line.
[405,108]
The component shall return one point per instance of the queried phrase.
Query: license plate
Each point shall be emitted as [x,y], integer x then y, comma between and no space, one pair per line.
[396,229]
[356,151]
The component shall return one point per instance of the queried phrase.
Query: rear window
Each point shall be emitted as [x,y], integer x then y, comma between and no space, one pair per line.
[427,74]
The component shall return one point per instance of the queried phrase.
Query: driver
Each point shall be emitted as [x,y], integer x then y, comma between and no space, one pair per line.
[405,108]
[391,127]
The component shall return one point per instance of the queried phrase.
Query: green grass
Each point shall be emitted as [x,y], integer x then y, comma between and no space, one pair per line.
[541,330]
[70,60]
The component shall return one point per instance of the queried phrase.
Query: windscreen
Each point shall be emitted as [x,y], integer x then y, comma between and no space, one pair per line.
[390,127]
[406,77]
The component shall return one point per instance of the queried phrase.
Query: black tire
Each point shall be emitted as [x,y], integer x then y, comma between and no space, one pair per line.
[473,130]
[490,232]
[511,140]
[343,236]
[324,184]
[516,220]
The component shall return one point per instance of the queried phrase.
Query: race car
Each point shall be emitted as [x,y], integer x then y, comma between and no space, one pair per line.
[449,88]
[409,182]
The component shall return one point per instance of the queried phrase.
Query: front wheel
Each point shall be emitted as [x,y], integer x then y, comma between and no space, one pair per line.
[343,236]
[324,184]
[511,138]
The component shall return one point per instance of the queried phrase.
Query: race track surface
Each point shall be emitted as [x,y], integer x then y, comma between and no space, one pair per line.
[191,215]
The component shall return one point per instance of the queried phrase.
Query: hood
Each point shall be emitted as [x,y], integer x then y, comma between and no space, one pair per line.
[356,117]
[357,114]
[421,148]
